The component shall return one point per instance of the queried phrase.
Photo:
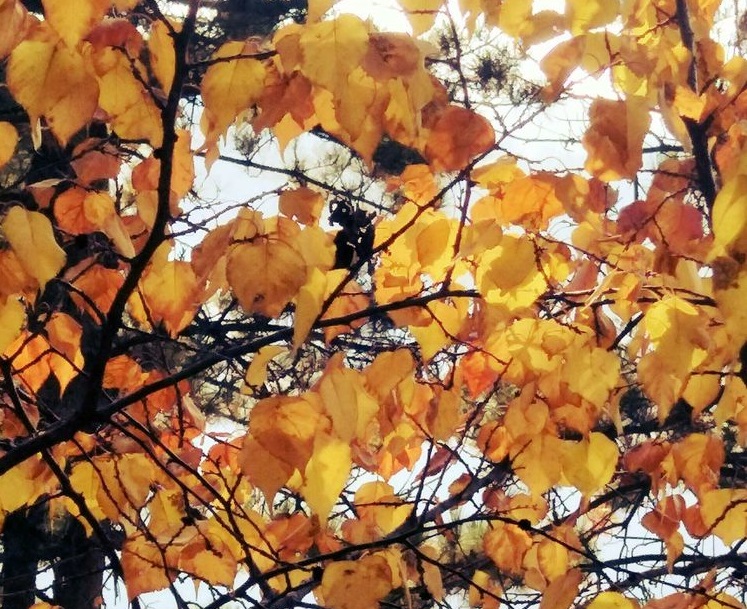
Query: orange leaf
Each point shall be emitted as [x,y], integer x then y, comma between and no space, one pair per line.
[457,136]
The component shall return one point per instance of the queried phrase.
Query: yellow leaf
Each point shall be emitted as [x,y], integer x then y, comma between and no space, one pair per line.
[161,47]
[359,584]
[170,291]
[286,426]
[484,592]
[589,464]
[612,600]
[53,81]
[584,15]
[331,50]
[31,238]
[698,459]
[132,111]
[86,479]
[64,335]
[265,275]
[308,306]
[12,318]
[263,469]
[592,373]
[230,86]
[722,599]
[377,504]
[676,329]
[8,141]
[24,483]
[730,218]
[16,22]
[80,211]
[514,17]
[317,8]
[326,474]
[614,139]
[421,14]
[508,274]
[730,300]
[256,373]
[208,555]
[350,406]
[73,19]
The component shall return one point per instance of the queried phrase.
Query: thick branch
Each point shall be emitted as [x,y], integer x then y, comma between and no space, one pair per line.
[697,131]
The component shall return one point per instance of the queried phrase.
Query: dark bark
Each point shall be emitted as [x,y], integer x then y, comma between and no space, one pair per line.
[20,560]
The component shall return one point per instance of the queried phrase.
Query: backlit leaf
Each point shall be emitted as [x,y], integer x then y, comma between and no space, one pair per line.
[53,81]
[614,139]
[12,318]
[356,584]
[302,204]
[612,600]
[457,137]
[265,275]
[161,48]
[584,16]
[30,235]
[230,86]
[589,464]
[326,473]
[73,19]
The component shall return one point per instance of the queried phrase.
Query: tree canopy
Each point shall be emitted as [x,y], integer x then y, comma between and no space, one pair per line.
[464,326]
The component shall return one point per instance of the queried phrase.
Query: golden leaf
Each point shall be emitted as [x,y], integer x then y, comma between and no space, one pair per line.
[8,142]
[506,545]
[265,275]
[585,15]
[73,19]
[12,318]
[170,291]
[326,473]
[614,140]
[131,109]
[590,464]
[562,591]
[31,238]
[53,81]
[359,584]
[612,600]
[143,566]
[230,85]
[163,59]
[331,50]
[302,204]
